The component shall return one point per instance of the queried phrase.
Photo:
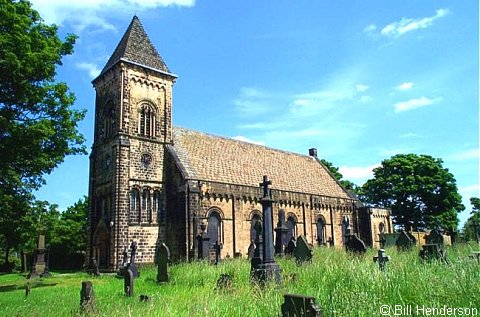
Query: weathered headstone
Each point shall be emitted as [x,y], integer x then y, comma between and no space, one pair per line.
[128,282]
[251,250]
[434,249]
[123,267]
[405,241]
[280,233]
[435,237]
[163,260]
[382,258]
[292,244]
[355,245]
[203,243]
[94,267]
[303,251]
[224,282]
[38,266]
[299,305]
[133,266]
[257,252]
[268,270]
[87,298]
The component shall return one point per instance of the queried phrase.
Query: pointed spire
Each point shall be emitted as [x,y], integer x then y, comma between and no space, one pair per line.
[136,47]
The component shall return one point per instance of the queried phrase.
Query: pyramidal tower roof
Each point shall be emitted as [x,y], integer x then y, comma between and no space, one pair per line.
[136,47]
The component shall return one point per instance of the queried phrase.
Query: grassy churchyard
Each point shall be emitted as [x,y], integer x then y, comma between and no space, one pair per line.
[343,284]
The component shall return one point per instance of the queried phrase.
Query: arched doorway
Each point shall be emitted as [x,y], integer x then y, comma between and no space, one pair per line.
[214,228]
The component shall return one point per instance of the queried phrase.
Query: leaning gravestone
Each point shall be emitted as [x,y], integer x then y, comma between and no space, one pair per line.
[303,251]
[128,282]
[87,298]
[299,305]
[292,244]
[163,260]
[434,249]
[355,244]
[405,241]
[121,270]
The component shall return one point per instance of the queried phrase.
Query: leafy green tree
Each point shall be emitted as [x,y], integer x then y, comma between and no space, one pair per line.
[348,185]
[473,221]
[421,193]
[38,125]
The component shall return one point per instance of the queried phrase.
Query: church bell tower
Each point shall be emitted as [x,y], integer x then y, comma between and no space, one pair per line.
[133,123]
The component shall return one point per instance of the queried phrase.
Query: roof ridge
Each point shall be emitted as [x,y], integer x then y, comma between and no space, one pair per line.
[245,142]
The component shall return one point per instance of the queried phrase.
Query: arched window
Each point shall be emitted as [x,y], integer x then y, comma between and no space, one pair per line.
[146,206]
[110,120]
[134,206]
[292,228]
[146,121]
[321,232]
[157,209]
[255,219]
[381,227]
[214,229]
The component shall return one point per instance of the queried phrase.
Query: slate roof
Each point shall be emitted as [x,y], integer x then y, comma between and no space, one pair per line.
[135,46]
[212,158]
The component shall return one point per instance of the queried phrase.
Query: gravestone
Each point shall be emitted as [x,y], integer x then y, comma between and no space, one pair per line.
[214,253]
[280,233]
[434,249]
[128,282]
[405,241]
[163,260]
[38,265]
[257,252]
[133,266]
[435,237]
[122,268]
[355,244]
[87,298]
[382,258]
[303,252]
[224,282]
[94,267]
[251,250]
[268,269]
[203,243]
[292,244]
[299,305]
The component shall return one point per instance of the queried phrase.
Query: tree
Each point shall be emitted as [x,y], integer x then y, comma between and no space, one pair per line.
[38,125]
[348,185]
[421,193]
[473,221]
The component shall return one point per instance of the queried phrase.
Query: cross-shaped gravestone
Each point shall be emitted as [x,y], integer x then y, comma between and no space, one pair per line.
[264,185]
[382,258]
[163,260]
[133,265]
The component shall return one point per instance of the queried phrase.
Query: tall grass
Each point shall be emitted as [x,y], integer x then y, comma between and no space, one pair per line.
[344,285]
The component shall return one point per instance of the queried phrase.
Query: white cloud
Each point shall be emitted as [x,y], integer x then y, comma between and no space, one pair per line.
[405,25]
[362,87]
[83,14]
[91,68]
[465,155]
[357,172]
[251,101]
[414,104]
[370,28]
[404,86]
[245,139]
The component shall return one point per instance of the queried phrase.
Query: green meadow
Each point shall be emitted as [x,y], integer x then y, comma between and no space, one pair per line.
[343,284]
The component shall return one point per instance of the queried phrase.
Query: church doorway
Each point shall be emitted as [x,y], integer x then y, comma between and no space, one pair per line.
[101,245]
[214,229]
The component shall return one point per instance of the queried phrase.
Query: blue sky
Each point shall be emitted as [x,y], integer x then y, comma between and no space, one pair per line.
[359,80]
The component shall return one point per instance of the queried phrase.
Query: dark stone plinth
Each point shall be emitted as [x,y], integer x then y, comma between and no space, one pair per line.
[355,245]
[299,305]
[405,241]
[266,272]
[431,252]
[303,252]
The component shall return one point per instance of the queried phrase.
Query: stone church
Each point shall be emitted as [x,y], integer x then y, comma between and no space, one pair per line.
[151,182]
